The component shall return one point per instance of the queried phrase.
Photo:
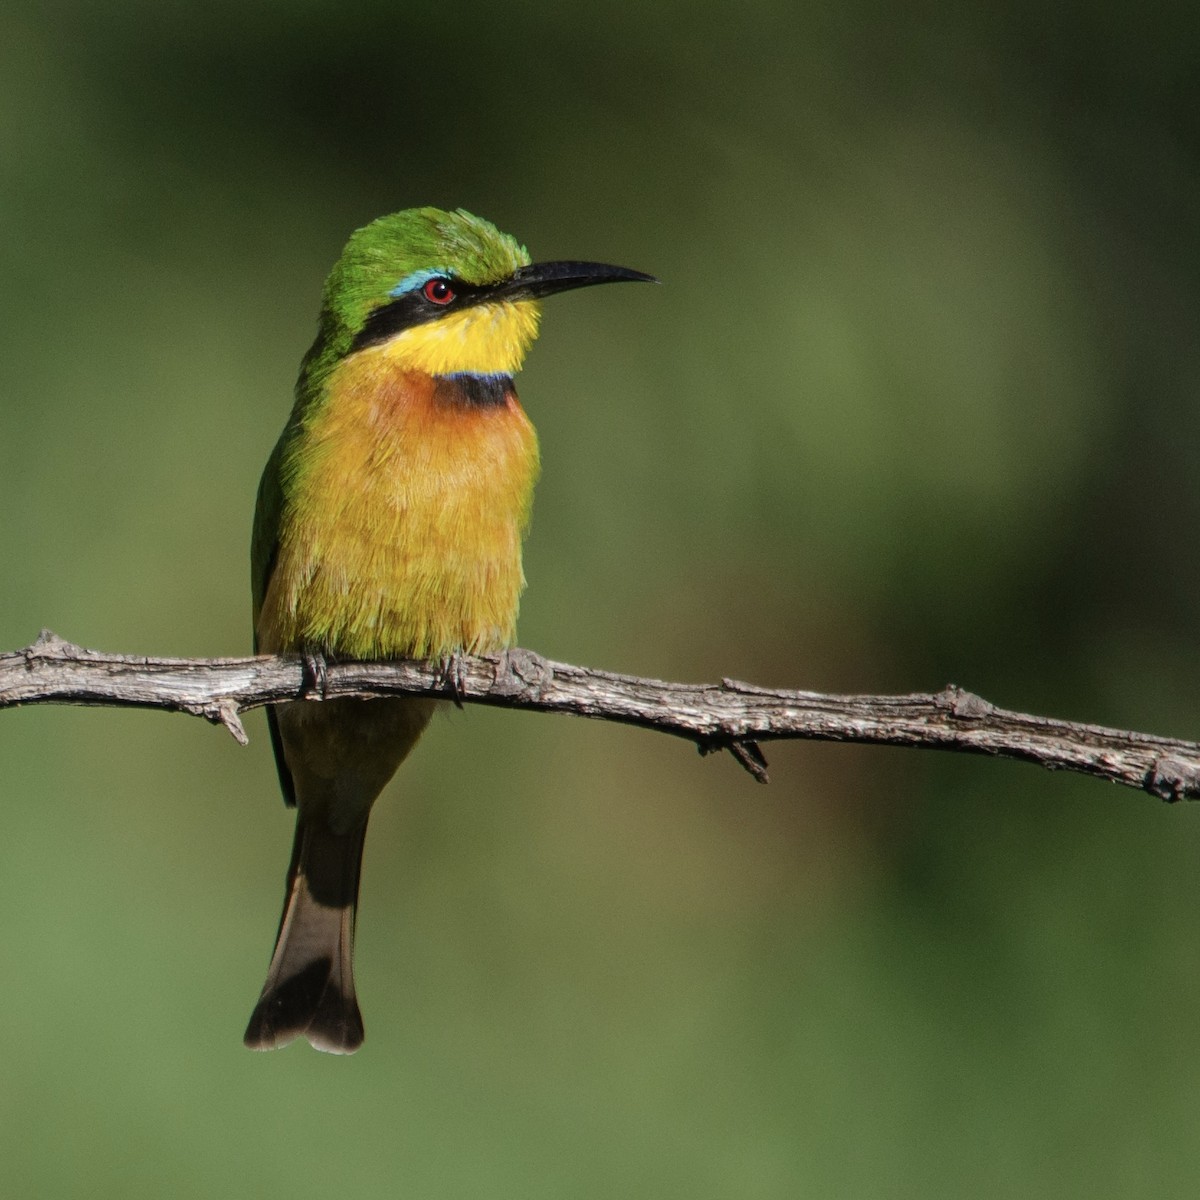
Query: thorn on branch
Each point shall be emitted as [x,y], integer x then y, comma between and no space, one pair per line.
[226,712]
[750,755]
[746,752]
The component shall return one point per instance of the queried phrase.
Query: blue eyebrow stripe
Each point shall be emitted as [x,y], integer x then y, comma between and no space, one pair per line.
[410,283]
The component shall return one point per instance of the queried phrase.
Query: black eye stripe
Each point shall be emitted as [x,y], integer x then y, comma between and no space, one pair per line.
[413,308]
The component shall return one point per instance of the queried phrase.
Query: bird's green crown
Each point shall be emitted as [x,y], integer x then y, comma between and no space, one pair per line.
[387,257]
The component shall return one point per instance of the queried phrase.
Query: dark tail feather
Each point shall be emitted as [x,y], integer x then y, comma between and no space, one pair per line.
[310,983]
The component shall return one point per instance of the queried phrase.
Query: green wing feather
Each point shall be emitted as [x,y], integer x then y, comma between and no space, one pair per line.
[264,547]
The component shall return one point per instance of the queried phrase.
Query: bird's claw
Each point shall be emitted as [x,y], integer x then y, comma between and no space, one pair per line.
[316,673]
[450,673]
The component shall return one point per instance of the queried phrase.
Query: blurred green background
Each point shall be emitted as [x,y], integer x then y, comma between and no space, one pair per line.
[917,403]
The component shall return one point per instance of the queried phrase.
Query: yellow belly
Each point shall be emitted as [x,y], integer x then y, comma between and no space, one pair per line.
[401,531]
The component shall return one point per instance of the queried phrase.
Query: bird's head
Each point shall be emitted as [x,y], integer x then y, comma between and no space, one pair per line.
[442,293]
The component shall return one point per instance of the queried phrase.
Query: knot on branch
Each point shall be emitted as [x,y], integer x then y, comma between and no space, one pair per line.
[1172,779]
[519,672]
[48,645]
[963,705]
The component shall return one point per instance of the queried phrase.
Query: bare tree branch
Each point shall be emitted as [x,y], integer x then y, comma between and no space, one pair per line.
[728,715]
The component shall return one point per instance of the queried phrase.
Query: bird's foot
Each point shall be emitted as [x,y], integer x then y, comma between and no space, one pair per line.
[449,672]
[316,673]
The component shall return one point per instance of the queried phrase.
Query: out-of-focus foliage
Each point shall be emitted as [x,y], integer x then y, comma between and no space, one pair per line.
[919,401]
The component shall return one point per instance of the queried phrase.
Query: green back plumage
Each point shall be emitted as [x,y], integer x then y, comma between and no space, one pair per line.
[265,537]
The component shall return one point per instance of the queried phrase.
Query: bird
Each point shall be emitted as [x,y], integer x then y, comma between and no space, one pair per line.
[389,524]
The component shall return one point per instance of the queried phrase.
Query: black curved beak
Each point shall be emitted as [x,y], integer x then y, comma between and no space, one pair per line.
[544,279]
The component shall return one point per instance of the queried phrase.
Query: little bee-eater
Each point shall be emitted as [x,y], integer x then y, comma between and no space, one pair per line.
[389,525]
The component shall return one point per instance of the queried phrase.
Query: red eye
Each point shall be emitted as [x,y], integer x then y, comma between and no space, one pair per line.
[438,291]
